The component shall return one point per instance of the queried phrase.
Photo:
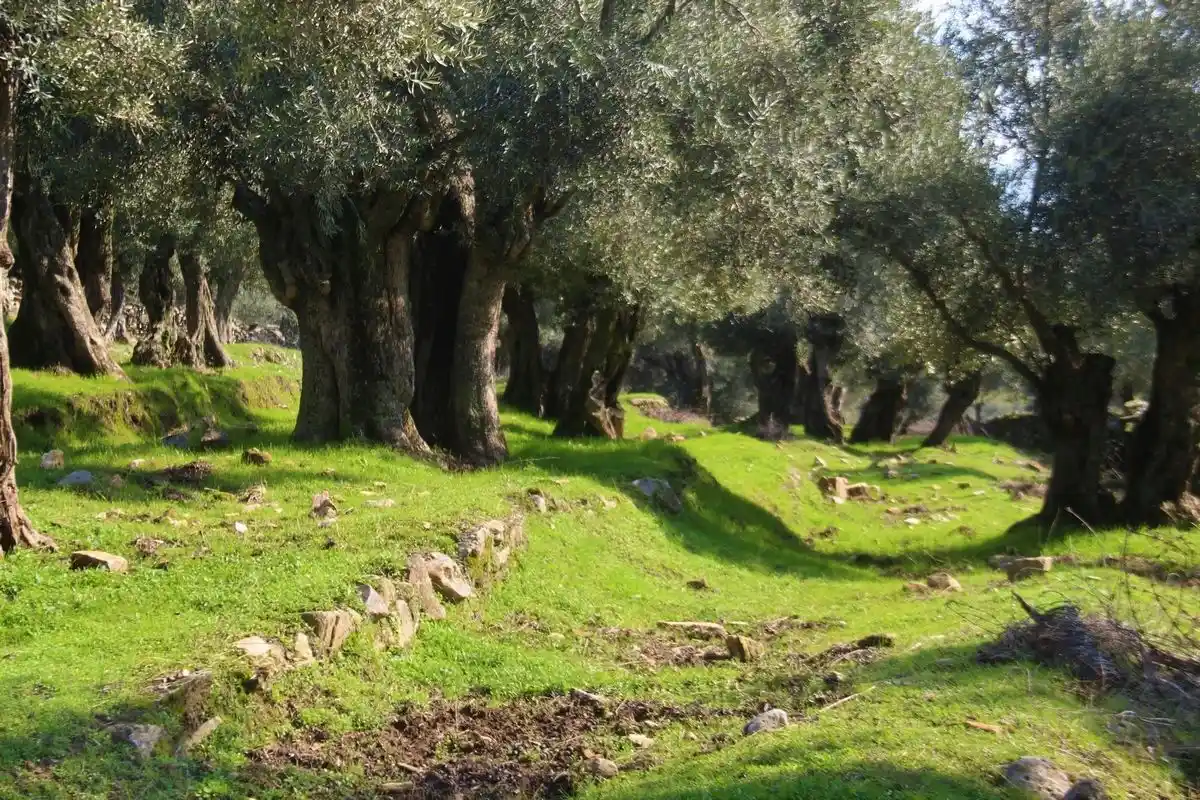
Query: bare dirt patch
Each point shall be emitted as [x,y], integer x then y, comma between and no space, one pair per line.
[532,747]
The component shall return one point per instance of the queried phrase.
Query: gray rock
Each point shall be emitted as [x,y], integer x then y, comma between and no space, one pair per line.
[193,739]
[331,628]
[178,440]
[376,604]
[1021,568]
[386,502]
[302,650]
[448,577]
[943,582]
[405,621]
[323,507]
[744,649]
[835,486]
[143,737]
[98,559]
[540,504]
[266,656]
[80,477]
[601,768]
[53,460]
[1038,776]
[1087,789]
[640,740]
[660,492]
[420,586]
[771,720]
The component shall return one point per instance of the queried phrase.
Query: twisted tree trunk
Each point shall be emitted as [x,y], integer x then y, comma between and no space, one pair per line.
[200,345]
[593,407]
[54,327]
[960,396]
[349,289]
[1073,398]
[525,381]
[1163,455]
[478,438]
[700,385]
[94,256]
[883,413]
[227,292]
[775,367]
[15,527]
[820,400]
[117,330]
[158,347]
[568,366]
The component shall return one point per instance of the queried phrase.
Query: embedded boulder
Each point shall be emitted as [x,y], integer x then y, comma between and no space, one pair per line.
[448,578]
[331,628]
[1038,776]
[98,559]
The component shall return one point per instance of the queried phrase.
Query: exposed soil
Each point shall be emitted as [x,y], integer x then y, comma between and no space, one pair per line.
[656,409]
[532,747]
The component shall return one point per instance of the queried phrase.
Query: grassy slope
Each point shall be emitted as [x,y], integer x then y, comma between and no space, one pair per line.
[76,645]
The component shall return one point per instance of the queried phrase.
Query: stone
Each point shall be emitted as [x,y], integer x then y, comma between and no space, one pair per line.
[1021,568]
[1086,789]
[1038,777]
[256,457]
[640,740]
[331,628]
[539,502]
[143,737]
[137,463]
[323,507]
[98,559]
[53,460]
[178,440]
[771,720]
[696,630]
[386,502]
[876,640]
[917,588]
[377,605]
[943,582]
[744,649]
[485,548]
[864,491]
[262,652]
[601,768]
[648,434]
[193,739]
[912,521]
[448,577]
[405,622]
[833,679]
[834,486]
[676,438]
[302,653]
[214,438]
[698,584]
[422,589]
[819,463]
[660,492]
[386,588]
[116,482]
[999,561]
[80,477]
[240,528]
[186,693]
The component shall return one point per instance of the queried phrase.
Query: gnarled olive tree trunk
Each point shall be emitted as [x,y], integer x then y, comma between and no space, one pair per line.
[593,405]
[117,329]
[883,412]
[227,291]
[525,380]
[346,278]
[54,327]
[200,345]
[699,385]
[568,366]
[775,367]
[157,347]
[960,396]
[94,256]
[15,527]
[478,438]
[1073,396]
[819,400]
[1162,459]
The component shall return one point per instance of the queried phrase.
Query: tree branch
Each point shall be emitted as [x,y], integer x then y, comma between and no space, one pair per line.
[921,279]
[249,203]
[660,24]
[608,14]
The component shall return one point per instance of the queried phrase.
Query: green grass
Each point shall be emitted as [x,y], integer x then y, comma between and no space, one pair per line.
[80,647]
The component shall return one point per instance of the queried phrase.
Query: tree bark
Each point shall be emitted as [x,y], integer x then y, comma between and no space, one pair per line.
[883,412]
[478,438]
[15,528]
[960,396]
[94,256]
[568,367]
[775,367]
[700,389]
[345,273]
[54,327]
[525,380]
[1163,455]
[819,399]
[585,413]
[117,330]
[227,292]
[1073,397]
[200,345]
[439,270]
[158,347]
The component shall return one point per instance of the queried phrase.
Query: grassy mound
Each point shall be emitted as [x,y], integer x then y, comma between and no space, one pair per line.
[756,547]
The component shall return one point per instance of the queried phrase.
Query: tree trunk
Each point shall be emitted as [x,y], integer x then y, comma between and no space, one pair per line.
[586,410]
[54,327]
[478,438]
[960,396]
[94,256]
[345,273]
[200,345]
[1073,400]
[1162,460]
[775,367]
[158,347]
[439,269]
[117,330]
[568,367]
[15,528]
[883,413]
[227,292]
[700,390]
[525,381]
[820,401]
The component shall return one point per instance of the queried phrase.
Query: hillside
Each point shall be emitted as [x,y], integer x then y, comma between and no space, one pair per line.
[480,702]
